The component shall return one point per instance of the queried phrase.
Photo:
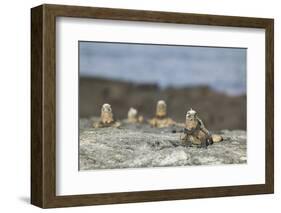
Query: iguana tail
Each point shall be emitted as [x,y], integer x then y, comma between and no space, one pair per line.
[216,138]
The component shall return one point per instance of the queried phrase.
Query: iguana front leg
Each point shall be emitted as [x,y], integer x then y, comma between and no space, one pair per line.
[186,139]
[188,142]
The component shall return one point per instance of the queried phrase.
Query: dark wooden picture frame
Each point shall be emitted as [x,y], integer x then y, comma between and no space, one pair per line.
[43,105]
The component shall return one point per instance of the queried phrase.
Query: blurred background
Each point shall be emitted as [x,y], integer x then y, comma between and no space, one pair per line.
[211,80]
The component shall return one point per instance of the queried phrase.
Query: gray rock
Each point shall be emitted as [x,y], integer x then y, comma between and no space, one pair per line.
[139,145]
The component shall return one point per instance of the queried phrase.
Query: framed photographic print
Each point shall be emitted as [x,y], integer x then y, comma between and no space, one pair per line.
[136,106]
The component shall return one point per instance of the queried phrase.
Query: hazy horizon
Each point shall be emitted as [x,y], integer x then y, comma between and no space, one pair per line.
[222,69]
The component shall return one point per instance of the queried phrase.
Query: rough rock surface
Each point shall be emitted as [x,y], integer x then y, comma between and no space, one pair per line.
[139,145]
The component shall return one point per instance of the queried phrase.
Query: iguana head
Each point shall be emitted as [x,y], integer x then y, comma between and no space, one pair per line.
[132,115]
[106,114]
[161,109]
[191,114]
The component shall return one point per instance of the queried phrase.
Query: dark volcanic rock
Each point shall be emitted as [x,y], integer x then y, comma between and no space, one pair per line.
[217,110]
[139,145]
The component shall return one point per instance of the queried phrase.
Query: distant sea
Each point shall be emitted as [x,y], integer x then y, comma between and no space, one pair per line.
[222,69]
